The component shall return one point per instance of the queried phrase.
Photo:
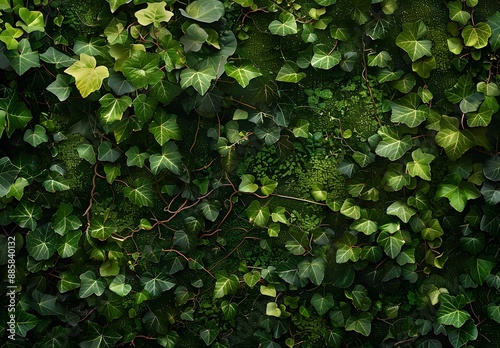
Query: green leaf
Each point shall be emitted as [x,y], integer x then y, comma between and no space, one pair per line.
[170,158]
[381,59]
[245,72]
[493,312]
[251,278]
[257,214]
[301,129]
[456,12]
[119,287]
[424,66]
[26,214]
[404,85]
[270,132]
[286,25]
[208,335]
[101,229]
[225,284]
[194,38]
[457,191]
[67,282]
[313,269]
[229,310]
[106,152]
[476,35]
[114,4]
[154,13]
[247,184]
[317,193]
[483,116]
[350,209]
[209,209]
[406,110]
[459,337]
[8,173]
[273,310]
[392,243]
[60,87]
[112,108]
[91,285]
[31,20]
[157,282]
[289,73]
[392,145]
[432,230]
[200,80]
[46,304]
[63,220]
[420,166]
[9,36]
[141,69]
[268,186]
[455,45]
[58,58]
[88,76]
[494,23]
[359,297]
[135,157]
[364,225]
[480,268]
[325,2]
[142,195]
[450,311]
[17,188]
[396,177]
[491,168]
[86,151]
[410,40]
[322,304]
[37,136]
[206,11]
[325,57]
[23,58]
[41,243]
[164,127]
[361,323]
[67,245]
[25,322]
[454,141]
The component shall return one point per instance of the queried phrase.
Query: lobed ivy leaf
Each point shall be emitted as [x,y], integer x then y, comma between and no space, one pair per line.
[97,336]
[268,186]
[200,80]
[119,287]
[88,76]
[245,72]
[450,311]
[483,116]
[169,158]
[361,323]
[112,108]
[458,337]
[115,4]
[248,184]
[68,244]
[17,188]
[391,242]
[67,282]
[60,87]
[480,268]
[141,69]
[210,209]
[476,35]
[322,304]
[359,297]
[25,322]
[457,191]
[154,13]
[420,166]
[41,242]
[454,140]
[392,145]
[257,214]
[424,66]
[91,285]
[491,168]
[225,284]
[251,278]
[26,215]
[325,57]
[86,151]
[206,11]
[405,84]
[101,229]
[381,59]
[164,127]
[406,110]
[58,58]
[194,38]
[494,23]
[142,195]
[46,304]
[9,36]
[286,25]
[313,269]
[410,40]
[457,14]
[156,282]
[64,221]
[135,157]
[23,58]
[36,136]
[31,20]
[106,152]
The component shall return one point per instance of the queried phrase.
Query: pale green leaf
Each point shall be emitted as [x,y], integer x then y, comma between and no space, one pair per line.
[243,73]
[206,11]
[154,13]
[88,76]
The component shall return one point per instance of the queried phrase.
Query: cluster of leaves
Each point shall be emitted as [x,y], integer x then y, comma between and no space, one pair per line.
[133,235]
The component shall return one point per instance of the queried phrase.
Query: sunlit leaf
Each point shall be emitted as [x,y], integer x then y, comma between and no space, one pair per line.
[225,284]
[88,76]
[91,285]
[169,158]
[325,57]
[206,11]
[476,35]
[23,58]
[141,69]
[410,40]
[242,73]
[286,25]
[457,191]
[154,13]
[450,311]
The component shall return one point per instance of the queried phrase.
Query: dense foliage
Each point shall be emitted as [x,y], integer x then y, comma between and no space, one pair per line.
[251,173]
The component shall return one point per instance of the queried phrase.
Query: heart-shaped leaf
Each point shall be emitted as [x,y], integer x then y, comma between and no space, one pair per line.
[243,73]
[286,25]
[410,40]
